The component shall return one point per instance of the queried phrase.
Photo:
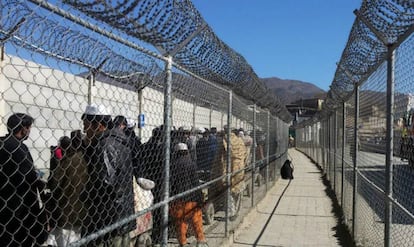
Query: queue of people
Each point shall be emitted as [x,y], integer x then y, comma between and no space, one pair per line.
[91,180]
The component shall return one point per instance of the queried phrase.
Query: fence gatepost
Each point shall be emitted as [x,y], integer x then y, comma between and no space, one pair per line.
[167,145]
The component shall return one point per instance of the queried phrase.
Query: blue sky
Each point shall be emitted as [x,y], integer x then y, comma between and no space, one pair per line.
[290,39]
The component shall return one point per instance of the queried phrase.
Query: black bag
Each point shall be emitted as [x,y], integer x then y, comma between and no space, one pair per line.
[286,171]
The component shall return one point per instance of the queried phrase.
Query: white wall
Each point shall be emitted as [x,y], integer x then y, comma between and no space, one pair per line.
[57,100]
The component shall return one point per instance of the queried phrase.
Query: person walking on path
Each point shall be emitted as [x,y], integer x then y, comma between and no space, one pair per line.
[293,213]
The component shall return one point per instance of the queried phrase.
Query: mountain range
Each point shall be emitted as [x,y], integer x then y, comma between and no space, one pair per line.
[290,91]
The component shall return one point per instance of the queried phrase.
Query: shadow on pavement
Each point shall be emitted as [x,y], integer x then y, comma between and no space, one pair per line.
[342,232]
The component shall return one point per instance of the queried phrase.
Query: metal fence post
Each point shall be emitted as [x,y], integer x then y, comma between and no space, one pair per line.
[254,153]
[323,137]
[334,148]
[312,150]
[323,146]
[167,144]
[329,143]
[267,150]
[318,130]
[389,147]
[1,52]
[91,82]
[317,144]
[328,146]
[355,162]
[140,97]
[343,152]
[210,117]
[194,113]
[277,136]
[229,171]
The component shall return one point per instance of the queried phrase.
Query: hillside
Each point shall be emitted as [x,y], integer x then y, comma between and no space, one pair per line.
[290,91]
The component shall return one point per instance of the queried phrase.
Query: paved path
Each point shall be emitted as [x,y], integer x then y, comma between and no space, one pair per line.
[294,213]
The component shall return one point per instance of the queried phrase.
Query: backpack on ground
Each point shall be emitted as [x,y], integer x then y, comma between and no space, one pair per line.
[286,171]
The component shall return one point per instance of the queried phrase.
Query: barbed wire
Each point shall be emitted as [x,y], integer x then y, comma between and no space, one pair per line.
[177,28]
[379,26]
[173,27]
[48,37]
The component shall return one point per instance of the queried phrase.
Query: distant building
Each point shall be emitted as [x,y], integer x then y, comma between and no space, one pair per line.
[304,109]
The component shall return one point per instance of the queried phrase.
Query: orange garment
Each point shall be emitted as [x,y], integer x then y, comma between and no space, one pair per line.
[182,212]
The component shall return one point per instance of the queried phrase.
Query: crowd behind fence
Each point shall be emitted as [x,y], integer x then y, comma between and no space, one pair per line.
[125,145]
[363,137]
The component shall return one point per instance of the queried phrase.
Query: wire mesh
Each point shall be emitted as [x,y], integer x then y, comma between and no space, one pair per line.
[348,164]
[401,233]
[377,59]
[403,145]
[371,156]
[113,155]
[370,209]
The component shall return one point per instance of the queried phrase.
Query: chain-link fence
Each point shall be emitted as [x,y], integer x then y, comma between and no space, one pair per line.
[367,124]
[107,142]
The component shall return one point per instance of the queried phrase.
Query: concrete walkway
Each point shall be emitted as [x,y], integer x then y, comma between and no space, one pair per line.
[294,213]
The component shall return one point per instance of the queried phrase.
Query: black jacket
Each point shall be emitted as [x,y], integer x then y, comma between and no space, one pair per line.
[204,154]
[109,191]
[184,177]
[20,211]
[152,165]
